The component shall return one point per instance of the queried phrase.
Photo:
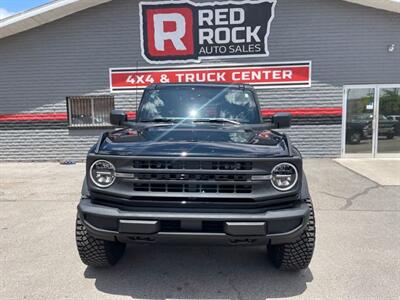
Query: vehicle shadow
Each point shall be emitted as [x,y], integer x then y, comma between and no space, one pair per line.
[188,272]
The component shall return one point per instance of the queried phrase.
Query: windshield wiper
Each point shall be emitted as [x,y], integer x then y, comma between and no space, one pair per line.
[219,120]
[160,120]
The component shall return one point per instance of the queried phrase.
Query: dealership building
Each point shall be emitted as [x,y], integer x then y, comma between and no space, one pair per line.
[333,64]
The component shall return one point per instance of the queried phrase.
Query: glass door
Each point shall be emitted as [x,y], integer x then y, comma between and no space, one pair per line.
[359,122]
[371,121]
[388,132]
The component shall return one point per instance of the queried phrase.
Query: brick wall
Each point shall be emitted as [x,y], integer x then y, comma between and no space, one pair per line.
[347,44]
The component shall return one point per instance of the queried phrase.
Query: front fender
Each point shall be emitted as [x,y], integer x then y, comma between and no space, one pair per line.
[304,193]
[85,189]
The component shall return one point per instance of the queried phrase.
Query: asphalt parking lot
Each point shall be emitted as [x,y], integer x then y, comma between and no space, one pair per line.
[357,253]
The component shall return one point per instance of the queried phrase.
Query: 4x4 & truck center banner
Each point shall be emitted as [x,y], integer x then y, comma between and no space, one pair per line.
[183,31]
[296,74]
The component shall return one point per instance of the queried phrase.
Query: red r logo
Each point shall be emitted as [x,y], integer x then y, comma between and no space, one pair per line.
[169,32]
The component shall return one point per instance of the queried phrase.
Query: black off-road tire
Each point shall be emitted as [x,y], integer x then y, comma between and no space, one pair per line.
[94,252]
[296,255]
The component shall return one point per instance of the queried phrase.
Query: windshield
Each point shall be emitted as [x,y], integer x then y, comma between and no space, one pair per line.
[199,103]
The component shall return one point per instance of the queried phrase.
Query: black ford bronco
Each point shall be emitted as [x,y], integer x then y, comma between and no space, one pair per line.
[199,164]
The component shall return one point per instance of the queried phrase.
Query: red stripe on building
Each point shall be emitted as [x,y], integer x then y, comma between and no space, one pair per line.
[296,112]
[34,117]
[304,112]
[131,115]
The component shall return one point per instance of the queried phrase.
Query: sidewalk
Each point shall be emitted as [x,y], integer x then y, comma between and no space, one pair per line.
[383,171]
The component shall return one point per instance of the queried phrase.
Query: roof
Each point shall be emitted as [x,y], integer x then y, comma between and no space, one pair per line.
[58,9]
[43,14]
[390,5]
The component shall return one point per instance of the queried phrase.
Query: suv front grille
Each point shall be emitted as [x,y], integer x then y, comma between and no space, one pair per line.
[190,176]
[192,164]
[192,188]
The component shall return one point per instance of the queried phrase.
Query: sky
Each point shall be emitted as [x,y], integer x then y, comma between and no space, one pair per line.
[9,7]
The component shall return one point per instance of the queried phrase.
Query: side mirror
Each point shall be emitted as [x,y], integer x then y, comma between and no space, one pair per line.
[282,120]
[118,118]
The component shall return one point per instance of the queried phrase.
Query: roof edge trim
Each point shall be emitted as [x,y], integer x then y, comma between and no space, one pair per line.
[43,14]
[389,5]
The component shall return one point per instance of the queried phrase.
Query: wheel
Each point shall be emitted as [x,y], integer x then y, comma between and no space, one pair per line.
[296,255]
[355,138]
[94,252]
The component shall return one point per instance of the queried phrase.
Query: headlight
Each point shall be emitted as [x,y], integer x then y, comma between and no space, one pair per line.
[284,176]
[102,173]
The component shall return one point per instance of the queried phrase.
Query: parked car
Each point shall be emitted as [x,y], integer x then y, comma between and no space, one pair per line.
[198,165]
[360,127]
[395,118]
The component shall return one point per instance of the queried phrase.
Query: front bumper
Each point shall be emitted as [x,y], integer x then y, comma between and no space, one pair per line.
[274,226]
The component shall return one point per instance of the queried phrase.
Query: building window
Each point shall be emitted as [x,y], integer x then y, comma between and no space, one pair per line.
[90,111]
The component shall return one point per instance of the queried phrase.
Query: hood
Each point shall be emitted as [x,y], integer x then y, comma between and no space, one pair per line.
[195,140]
